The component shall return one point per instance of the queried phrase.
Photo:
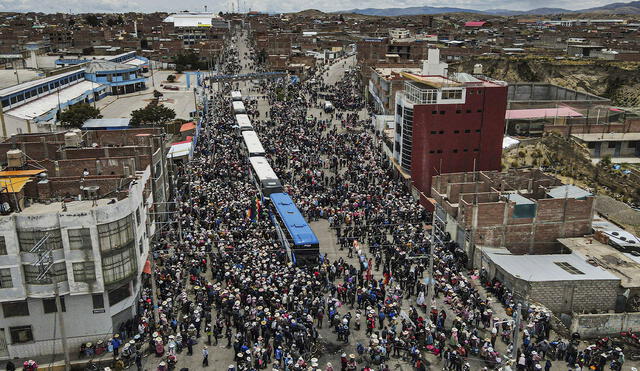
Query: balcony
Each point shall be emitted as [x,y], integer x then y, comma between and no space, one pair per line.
[417,95]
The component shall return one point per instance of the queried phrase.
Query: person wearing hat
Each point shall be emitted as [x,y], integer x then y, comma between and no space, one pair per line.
[205,356]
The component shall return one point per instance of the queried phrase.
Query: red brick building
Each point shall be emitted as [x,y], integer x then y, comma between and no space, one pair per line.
[447,123]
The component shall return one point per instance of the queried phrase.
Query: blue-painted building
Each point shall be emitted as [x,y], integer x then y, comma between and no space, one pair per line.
[120,78]
[34,106]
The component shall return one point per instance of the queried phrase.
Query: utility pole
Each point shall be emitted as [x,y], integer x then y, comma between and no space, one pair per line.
[2,123]
[516,333]
[45,264]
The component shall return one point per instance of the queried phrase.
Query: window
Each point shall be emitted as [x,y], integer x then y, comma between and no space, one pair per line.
[141,246]
[98,301]
[434,132]
[455,151]
[57,272]
[468,111]
[568,267]
[452,94]
[442,112]
[119,294]
[5,102]
[441,131]
[632,144]
[456,131]
[21,334]
[591,145]
[138,217]
[465,150]
[458,111]
[118,266]
[84,271]
[434,112]
[439,151]
[477,130]
[49,305]
[79,239]
[612,144]
[476,150]
[479,110]
[28,239]
[3,246]
[432,151]
[15,309]
[5,278]
[116,235]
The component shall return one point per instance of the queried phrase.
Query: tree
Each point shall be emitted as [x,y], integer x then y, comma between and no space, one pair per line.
[152,114]
[92,20]
[77,114]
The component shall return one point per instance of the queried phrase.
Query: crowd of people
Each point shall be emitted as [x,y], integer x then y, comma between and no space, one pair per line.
[224,279]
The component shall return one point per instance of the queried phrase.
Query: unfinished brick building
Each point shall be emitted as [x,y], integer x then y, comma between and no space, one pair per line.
[524,211]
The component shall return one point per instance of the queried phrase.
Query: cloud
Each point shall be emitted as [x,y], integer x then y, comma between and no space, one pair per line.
[122,6]
[73,6]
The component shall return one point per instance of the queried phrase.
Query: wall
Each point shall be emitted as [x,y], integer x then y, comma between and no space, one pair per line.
[597,325]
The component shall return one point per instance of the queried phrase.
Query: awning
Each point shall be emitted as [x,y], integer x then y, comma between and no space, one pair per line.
[187,126]
[13,185]
[20,173]
[180,149]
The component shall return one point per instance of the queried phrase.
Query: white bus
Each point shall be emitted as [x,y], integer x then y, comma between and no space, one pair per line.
[236,96]
[244,123]
[263,175]
[238,107]
[252,143]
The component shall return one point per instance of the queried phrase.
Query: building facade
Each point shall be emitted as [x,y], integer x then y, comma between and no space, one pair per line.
[447,124]
[99,240]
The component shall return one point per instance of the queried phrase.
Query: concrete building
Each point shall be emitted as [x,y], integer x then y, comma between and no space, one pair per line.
[97,209]
[447,124]
[34,106]
[620,147]
[398,33]
[384,83]
[563,283]
[524,211]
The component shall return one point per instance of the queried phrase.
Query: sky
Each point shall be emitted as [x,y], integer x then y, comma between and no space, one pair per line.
[121,6]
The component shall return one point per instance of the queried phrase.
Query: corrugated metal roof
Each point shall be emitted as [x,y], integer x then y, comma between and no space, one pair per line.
[546,268]
[15,173]
[13,185]
[568,191]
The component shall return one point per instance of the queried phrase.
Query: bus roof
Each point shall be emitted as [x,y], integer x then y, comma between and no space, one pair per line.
[243,120]
[262,169]
[236,94]
[238,106]
[252,142]
[298,228]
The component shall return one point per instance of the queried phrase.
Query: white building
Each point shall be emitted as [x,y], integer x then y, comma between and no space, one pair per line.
[99,251]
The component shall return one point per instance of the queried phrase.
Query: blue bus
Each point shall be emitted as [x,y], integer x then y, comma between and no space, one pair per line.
[300,239]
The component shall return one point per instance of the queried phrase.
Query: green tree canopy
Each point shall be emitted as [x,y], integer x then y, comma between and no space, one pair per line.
[152,114]
[92,20]
[78,113]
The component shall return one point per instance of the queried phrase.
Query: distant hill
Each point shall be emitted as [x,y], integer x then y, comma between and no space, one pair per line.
[415,10]
[613,8]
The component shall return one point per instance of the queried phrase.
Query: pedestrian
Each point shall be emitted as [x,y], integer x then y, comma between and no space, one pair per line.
[205,357]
